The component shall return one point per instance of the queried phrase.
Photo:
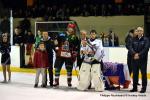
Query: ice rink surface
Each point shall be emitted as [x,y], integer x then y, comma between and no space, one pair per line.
[21,88]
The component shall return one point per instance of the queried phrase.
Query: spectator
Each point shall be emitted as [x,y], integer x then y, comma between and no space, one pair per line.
[78,8]
[5,34]
[25,25]
[105,40]
[116,40]
[5,25]
[60,15]
[110,38]
[38,38]
[18,40]
[29,42]
[103,7]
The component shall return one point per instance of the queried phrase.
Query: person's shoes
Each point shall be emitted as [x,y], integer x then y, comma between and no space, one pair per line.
[9,81]
[138,84]
[143,90]
[4,81]
[43,86]
[36,85]
[69,82]
[69,85]
[56,84]
[126,84]
[89,86]
[133,90]
[118,87]
[51,84]
[110,88]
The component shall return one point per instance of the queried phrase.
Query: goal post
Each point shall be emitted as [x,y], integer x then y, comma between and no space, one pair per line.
[11,27]
[53,27]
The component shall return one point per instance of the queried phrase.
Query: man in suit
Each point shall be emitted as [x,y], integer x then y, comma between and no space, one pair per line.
[139,48]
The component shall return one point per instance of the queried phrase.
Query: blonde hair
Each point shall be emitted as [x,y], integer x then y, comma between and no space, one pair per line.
[83,31]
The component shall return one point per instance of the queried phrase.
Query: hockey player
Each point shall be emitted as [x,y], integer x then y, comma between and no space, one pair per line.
[92,50]
[66,52]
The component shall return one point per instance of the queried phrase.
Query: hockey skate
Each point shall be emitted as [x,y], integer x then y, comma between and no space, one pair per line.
[56,84]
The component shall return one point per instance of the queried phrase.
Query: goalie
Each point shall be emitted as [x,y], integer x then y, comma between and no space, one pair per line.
[92,51]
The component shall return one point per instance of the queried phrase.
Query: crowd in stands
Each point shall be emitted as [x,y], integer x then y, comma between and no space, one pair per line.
[64,12]
[108,38]
[63,9]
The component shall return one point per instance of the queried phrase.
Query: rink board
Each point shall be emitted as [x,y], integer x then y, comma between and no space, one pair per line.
[112,54]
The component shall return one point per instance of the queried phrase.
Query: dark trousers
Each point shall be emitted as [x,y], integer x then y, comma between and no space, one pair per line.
[139,65]
[29,48]
[129,59]
[79,61]
[22,56]
[50,72]
[69,66]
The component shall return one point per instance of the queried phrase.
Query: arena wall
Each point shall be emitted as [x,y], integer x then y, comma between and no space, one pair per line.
[119,24]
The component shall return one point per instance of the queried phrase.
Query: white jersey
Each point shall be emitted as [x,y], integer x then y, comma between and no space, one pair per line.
[93,49]
[88,73]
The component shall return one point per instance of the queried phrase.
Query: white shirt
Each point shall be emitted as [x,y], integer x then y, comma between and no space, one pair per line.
[93,46]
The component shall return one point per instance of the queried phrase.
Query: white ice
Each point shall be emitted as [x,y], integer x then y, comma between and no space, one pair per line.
[21,88]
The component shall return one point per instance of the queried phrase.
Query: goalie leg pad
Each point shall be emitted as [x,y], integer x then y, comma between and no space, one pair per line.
[97,78]
[84,76]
